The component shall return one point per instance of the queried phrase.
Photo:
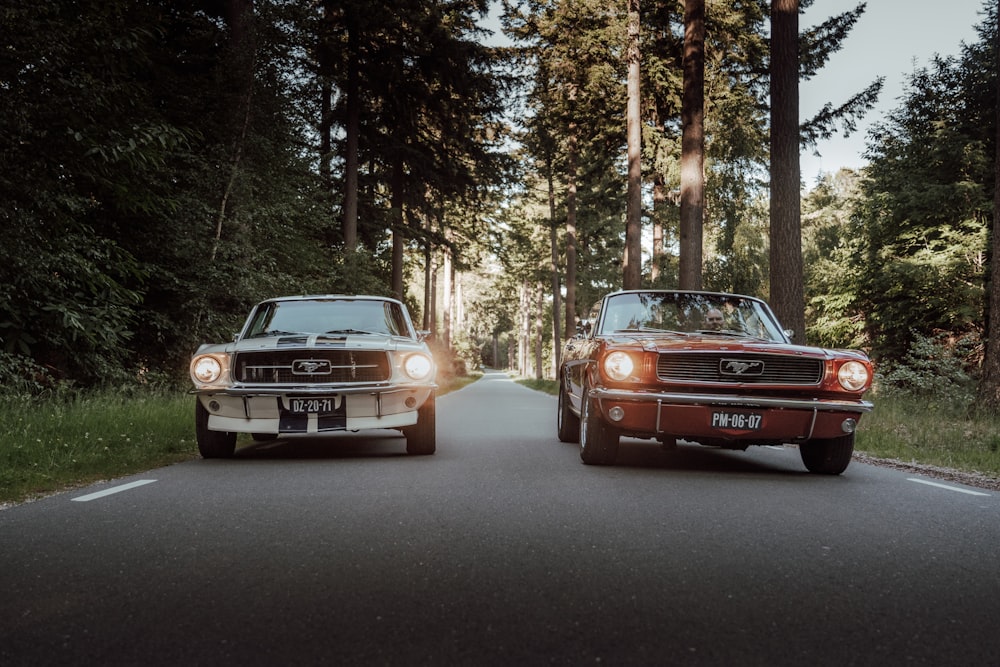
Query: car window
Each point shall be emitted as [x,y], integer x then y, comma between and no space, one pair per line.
[687,312]
[318,316]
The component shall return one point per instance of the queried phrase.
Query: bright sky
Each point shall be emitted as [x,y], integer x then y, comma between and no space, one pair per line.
[893,38]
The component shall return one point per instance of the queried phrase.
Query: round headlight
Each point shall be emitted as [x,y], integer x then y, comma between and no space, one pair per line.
[618,365]
[206,369]
[853,376]
[417,366]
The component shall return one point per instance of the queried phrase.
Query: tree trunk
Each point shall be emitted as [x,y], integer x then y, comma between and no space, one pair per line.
[428,293]
[787,292]
[352,129]
[632,269]
[539,327]
[571,157]
[989,381]
[554,271]
[242,55]
[326,72]
[524,330]
[396,216]
[446,297]
[692,145]
[659,212]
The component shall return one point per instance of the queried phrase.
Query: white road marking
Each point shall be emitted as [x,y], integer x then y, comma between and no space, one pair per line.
[113,489]
[945,486]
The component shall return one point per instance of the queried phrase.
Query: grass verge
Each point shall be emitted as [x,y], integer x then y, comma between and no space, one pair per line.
[50,445]
[55,444]
[918,431]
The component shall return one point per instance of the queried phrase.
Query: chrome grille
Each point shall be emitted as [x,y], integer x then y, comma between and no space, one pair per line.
[311,366]
[757,368]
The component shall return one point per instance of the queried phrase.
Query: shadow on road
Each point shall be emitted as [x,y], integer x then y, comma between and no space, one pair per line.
[367,445]
[636,454]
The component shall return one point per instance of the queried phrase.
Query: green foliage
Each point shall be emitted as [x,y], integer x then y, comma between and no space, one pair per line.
[933,367]
[829,246]
[922,218]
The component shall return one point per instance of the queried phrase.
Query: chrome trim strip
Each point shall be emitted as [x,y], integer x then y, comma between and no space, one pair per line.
[812,426]
[311,390]
[727,400]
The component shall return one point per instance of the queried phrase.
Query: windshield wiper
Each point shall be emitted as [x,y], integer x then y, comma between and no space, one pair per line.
[651,330]
[277,332]
[355,331]
[729,332]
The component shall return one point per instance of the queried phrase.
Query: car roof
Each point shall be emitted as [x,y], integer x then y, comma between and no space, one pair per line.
[341,297]
[654,290]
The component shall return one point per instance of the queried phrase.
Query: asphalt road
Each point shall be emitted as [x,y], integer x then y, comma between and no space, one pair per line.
[502,549]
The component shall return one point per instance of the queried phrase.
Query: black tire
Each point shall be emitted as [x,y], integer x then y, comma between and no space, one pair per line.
[827,457]
[211,444]
[567,423]
[598,440]
[421,438]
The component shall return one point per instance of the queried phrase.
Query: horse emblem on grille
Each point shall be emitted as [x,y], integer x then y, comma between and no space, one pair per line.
[743,367]
[311,367]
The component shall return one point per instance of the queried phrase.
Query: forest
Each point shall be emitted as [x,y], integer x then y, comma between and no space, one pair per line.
[167,164]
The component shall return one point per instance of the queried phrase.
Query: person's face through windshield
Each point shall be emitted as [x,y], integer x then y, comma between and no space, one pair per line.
[714,319]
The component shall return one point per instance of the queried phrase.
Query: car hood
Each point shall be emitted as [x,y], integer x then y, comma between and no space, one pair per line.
[711,343]
[317,342]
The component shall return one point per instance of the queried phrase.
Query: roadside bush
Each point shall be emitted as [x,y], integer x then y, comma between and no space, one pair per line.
[934,367]
[22,376]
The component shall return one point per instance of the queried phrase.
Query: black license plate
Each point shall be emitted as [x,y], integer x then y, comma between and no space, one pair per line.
[314,406]
[739,421]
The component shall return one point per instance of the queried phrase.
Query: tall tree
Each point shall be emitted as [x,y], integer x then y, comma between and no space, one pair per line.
[989,383]
[632,265]
[692,145]
[787,292]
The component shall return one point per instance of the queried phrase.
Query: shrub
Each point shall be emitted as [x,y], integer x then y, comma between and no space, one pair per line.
[934,366]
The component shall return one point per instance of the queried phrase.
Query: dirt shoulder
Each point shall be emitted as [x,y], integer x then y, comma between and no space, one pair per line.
[975,479]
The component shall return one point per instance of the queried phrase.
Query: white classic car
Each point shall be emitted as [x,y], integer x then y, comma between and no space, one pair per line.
[315,365]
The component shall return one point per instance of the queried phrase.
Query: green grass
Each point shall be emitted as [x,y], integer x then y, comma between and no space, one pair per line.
[47,445]
[923,431]
[931,432]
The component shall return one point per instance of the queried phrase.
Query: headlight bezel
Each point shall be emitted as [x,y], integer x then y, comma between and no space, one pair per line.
[417,366]
[618,365]
[209,369]
[853,376]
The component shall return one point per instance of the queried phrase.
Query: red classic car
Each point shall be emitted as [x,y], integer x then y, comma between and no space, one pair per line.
[711,368]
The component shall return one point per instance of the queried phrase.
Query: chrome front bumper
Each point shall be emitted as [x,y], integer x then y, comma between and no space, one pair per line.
[730,401]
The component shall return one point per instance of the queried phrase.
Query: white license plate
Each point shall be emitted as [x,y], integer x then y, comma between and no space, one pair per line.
[740,421]
[312,406]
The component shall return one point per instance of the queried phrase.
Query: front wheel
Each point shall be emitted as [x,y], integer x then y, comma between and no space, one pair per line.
[567,423]
[827,457]
[598,439]
[421,438]
[211,444]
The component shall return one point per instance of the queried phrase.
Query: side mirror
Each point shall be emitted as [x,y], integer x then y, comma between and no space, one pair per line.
[790,333]
[423,334]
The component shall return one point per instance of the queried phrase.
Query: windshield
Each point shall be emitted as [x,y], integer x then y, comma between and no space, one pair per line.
[689,312]
[332,316]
